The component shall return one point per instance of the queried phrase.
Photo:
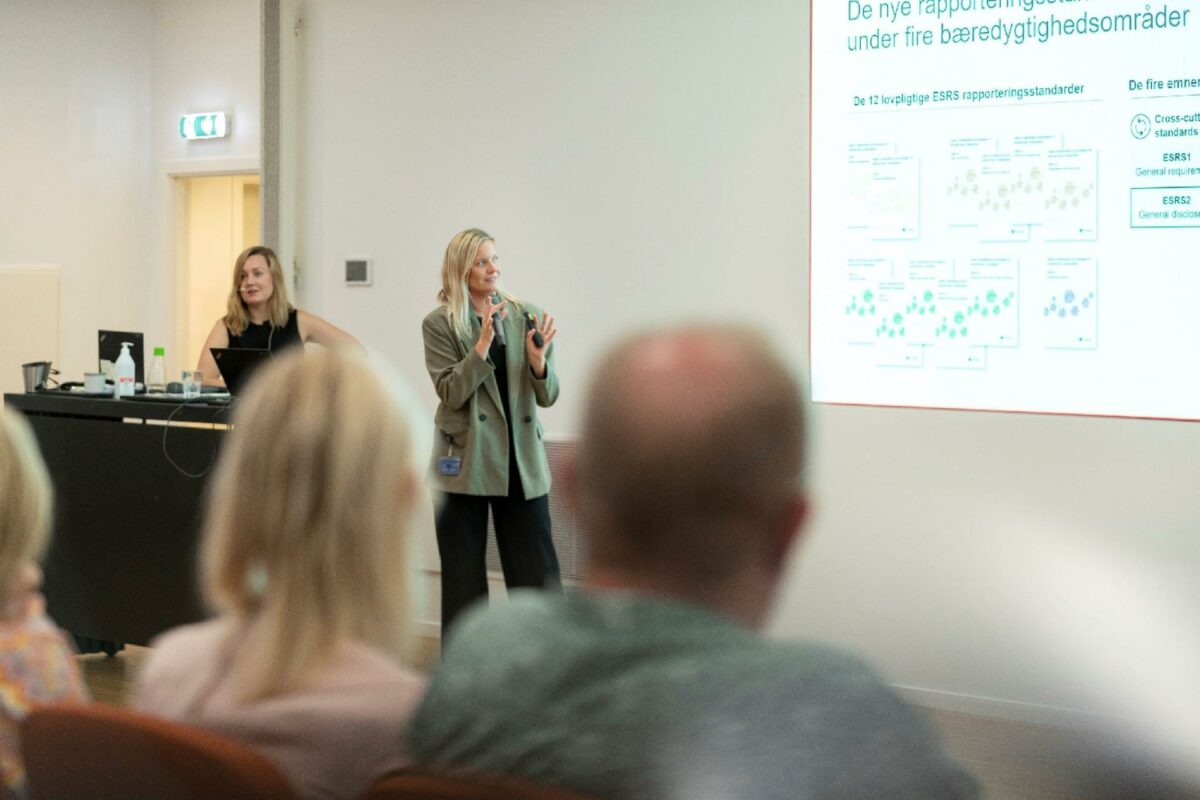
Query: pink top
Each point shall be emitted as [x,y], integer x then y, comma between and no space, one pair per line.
[346,728]
[37,665]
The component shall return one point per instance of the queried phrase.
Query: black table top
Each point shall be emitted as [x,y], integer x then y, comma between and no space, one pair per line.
[54,403]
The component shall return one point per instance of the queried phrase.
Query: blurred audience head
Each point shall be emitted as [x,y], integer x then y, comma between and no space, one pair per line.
[25,502]
[309,516]
[688,474]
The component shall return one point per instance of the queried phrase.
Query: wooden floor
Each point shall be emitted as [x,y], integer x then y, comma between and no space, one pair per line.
[110,680]
[1019,761]
[1011,760]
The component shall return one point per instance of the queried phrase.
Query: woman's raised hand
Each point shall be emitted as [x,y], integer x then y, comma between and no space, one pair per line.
[535,353]
[488,328]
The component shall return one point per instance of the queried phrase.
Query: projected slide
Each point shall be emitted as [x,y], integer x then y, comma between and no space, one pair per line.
[1006,205]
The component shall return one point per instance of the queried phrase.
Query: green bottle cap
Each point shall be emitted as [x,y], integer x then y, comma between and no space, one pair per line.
[159,351]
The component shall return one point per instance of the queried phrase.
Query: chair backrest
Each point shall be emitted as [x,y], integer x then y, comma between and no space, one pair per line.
[422,785]
[101,752]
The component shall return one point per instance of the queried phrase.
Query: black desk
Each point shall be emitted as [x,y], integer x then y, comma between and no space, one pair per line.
[122,562]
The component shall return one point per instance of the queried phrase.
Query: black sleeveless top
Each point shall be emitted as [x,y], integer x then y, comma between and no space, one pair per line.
[265,336]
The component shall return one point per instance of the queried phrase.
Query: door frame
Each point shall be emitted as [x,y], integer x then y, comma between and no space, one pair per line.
[176,173]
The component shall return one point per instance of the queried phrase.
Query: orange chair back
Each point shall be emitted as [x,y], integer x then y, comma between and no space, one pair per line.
[101,752]
[418,785]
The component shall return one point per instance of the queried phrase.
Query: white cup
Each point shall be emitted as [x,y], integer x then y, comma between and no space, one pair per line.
[93,382]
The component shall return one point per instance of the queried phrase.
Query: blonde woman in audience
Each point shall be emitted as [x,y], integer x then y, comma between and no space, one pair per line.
[304,557]
[36,663]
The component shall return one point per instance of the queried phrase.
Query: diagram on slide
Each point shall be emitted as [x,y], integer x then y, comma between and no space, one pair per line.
[884,187]
[1068,316]
[1013,191]
[944,313]
[1000,202]
[987,188]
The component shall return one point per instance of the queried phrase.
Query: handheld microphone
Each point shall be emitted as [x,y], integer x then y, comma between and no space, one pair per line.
[497,328]
[530,325]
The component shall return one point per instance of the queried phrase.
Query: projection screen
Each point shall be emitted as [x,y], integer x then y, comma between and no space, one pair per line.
[1006,205]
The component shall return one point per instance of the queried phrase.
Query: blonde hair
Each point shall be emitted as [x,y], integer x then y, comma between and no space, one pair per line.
[308,521]
[456,265]
[25,500]
[236,317]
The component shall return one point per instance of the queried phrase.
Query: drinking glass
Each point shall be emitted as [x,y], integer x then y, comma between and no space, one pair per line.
[192,382]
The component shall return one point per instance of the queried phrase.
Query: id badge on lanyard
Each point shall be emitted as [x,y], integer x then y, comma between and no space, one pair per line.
[449,464]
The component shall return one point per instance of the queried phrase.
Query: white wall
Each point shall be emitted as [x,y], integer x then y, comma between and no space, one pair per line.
[75,90]
[29,324]
[205,58]
[635,161]
[92,92]
[640,162]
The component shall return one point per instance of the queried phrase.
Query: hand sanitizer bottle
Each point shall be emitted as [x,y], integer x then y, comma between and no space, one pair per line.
[156,378]
[124,372]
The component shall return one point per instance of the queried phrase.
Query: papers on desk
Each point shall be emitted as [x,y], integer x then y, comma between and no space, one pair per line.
[178,398]
[79,391]
[207,398]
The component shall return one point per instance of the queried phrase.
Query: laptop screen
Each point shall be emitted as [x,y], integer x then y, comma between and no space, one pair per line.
[236,364]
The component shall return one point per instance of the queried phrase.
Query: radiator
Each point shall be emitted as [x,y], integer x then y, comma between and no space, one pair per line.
[566,530]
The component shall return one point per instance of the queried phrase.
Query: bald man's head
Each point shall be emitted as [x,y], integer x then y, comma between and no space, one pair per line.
[691,454]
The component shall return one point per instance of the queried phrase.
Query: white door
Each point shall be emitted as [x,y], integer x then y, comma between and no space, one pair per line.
[220,220]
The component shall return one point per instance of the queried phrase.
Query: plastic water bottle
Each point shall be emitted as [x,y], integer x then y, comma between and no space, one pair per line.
[156,378]
[124,372]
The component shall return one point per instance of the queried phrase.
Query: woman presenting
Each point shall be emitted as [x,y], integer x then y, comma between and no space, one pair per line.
[492,365]
[260,317]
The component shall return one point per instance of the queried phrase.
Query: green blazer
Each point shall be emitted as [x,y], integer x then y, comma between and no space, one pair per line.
[470,424]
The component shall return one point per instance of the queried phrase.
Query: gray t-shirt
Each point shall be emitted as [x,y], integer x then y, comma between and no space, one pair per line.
[622,696]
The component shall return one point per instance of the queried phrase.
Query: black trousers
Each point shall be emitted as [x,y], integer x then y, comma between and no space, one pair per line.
[522,537]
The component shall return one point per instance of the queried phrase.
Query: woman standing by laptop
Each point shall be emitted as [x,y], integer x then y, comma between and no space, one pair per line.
[260,317]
